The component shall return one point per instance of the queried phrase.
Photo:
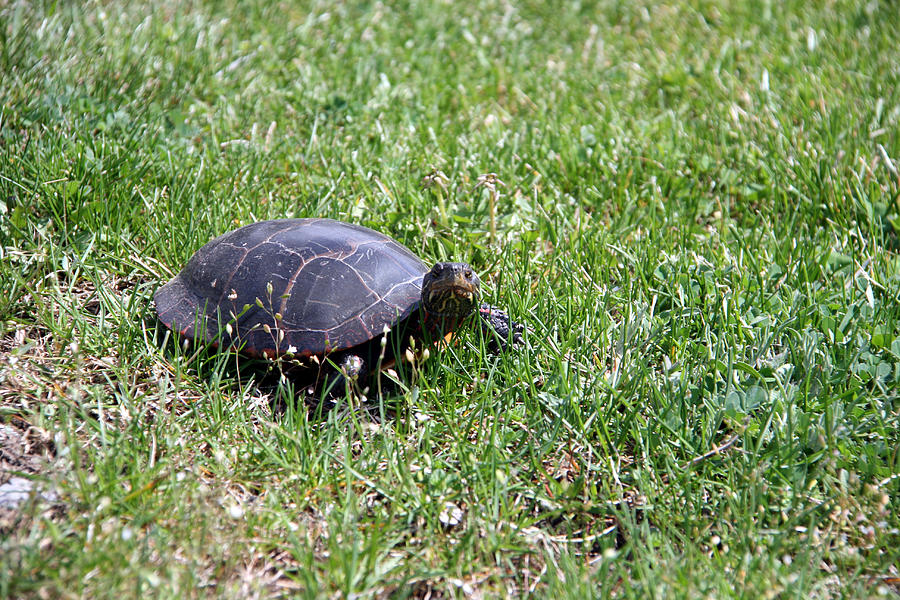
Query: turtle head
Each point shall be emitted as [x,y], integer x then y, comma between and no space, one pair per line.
[450,291]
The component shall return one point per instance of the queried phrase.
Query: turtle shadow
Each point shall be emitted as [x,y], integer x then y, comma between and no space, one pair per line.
[287,384]
[284,397]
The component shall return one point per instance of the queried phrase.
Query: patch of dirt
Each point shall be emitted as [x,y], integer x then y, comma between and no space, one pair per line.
[26,451]
[21,449]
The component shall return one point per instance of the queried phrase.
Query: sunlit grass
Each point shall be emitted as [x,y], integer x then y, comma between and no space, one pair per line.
[694,207]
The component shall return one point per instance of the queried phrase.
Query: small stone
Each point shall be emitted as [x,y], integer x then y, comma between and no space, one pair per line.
[451,516]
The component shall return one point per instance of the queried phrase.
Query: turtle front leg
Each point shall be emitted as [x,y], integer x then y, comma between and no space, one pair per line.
[499,328]
[340,376]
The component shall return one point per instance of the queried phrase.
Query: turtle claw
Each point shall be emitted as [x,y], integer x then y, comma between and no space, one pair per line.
[501,331]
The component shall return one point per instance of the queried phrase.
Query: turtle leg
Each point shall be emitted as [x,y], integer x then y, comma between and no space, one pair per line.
[499,328]
[340,376]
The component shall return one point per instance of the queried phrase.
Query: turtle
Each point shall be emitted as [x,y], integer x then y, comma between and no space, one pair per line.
[325,291]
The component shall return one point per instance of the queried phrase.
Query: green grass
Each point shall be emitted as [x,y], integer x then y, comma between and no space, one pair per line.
[698,220]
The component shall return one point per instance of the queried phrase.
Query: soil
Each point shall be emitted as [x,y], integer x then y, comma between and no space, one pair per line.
[22,453]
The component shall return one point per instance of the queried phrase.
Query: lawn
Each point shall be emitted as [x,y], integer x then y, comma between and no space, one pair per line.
[694,206]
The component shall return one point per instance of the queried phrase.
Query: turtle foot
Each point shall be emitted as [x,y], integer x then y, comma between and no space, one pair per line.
[502,331]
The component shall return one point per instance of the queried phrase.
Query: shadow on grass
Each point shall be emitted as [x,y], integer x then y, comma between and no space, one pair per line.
[287,382]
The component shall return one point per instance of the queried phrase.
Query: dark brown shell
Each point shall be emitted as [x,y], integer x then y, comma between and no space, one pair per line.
[308,286]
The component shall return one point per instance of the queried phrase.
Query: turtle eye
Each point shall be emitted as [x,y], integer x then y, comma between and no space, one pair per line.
[468,273]
[436,269]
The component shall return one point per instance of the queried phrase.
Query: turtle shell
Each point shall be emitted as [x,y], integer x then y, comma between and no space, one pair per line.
[304,286]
